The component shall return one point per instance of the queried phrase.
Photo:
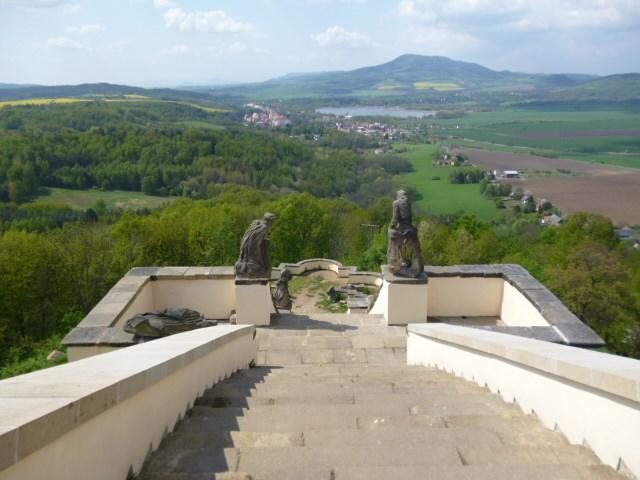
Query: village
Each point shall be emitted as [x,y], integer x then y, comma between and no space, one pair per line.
[265,117]
[373,129]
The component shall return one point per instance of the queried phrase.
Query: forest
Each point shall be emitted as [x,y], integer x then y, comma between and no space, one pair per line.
[154,150]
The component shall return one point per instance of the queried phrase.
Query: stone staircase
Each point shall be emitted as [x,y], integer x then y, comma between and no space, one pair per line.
[333,398]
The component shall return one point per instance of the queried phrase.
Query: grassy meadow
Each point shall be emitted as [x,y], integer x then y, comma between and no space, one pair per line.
[83,199]
[440,196]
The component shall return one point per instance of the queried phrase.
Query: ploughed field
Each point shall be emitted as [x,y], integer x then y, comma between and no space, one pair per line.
[571,185]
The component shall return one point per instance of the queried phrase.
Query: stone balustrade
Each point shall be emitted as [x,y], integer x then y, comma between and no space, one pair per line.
[101,416]
[524,306]
[507,292]
[592,397]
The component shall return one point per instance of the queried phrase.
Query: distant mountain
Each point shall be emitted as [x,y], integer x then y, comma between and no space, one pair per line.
[619,87]
[14,85]
[92,89]
[408,74]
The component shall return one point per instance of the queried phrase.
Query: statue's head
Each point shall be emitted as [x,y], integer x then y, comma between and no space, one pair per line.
[269,218]
[401,194]
[286,275]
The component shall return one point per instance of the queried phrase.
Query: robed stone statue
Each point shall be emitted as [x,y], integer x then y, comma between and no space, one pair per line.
[404,254]
[282,298]
[255,256]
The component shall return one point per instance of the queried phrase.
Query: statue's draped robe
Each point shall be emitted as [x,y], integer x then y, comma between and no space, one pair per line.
[255,255]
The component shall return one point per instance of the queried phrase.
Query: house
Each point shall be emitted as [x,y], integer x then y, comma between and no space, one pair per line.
[511,174]
[553,220]
[626,233]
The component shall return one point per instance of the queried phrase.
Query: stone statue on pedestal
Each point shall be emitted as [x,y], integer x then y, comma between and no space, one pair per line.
[282,299]
[404,253]
[255,256]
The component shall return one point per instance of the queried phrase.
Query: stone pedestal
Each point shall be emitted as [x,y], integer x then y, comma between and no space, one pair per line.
[402,300]
[254,305]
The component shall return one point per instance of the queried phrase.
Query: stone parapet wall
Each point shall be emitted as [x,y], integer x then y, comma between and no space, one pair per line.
[532,310]
[592,397]
[99,417]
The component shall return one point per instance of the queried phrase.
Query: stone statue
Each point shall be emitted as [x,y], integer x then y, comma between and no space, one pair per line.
[404,254]
[255,257]
[282,299]
[150,325]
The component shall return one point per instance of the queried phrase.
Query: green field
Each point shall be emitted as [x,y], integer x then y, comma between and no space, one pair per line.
[440,196]
[511,130]
[439,86]
[83,199]
[202,124]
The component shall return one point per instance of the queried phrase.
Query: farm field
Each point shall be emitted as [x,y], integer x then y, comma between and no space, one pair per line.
[603,136]
[440,196]
[83,199]
[605,189]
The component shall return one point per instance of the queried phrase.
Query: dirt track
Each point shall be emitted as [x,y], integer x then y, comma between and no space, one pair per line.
[604,189]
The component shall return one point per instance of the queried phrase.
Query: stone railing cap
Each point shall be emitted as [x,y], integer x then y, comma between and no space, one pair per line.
[602,371]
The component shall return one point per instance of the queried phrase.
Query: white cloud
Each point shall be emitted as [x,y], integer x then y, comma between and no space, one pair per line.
[176,50]
[85,29]
[211,20]
[337,36]
[164,3]
[523,14]
[63,42]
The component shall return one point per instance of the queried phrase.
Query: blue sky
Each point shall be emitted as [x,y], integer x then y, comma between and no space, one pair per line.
[173,42]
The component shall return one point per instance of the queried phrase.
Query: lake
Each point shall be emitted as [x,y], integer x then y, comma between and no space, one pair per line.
[359,111]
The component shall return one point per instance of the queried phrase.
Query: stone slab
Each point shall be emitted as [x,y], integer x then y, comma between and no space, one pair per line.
[396,279]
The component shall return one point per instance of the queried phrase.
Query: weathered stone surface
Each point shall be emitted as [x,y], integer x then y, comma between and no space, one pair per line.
[349,355]
[8,446]
[84,336]
[143,271]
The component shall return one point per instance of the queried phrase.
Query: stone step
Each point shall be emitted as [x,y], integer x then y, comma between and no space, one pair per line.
[282,419]
[285,342]
[526,455]
[287,357]
[314,374]
[399,380]
[399,436]
[516,430]
[341,395]
[498,472]
[230,439]
[268,462]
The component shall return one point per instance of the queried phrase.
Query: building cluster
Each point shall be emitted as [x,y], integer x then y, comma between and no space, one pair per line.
[506,174]
[373,129]
[266,117]
[452,160]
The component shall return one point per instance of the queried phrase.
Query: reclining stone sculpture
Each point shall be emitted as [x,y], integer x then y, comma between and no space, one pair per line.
[150,325]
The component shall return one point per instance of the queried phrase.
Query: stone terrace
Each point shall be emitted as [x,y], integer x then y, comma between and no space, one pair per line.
[333,398]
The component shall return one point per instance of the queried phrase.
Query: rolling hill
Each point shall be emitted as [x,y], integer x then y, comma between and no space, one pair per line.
[407,74]
[94,89]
